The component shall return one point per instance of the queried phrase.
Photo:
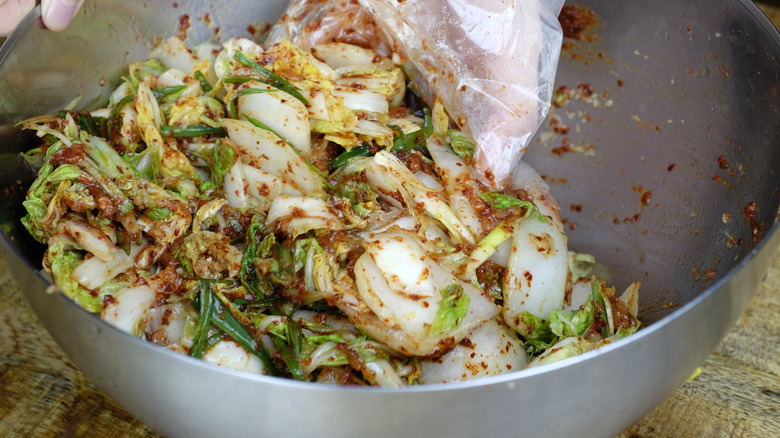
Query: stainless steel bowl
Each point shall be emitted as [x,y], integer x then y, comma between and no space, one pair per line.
[699,88]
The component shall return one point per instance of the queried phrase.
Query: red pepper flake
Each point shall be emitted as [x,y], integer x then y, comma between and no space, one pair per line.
[646,197]
[585,90]
[575,20]
[576,207]
[563,148]
[750,213]
[620,83]
[633,219]
[558,127]
[710,274]
[184,26]
[722,162]
[560,150]
[725,183]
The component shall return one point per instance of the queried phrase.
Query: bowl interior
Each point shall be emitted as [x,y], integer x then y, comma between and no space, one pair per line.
[663,157]
[668,171]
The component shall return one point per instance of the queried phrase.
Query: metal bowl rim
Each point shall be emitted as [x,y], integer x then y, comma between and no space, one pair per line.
[770,238]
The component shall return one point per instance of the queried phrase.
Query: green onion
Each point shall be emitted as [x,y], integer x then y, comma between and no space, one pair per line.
[232,110]
[90,124]
[405,142]
[263,303]
[167,91]
[427,129]
[205,298]
[228,323]
[246,274]
[364,150]
[120,240]
[191,131]
[204,84]
[271,78]
[314,168]
[291,349]
[237,80]
[245,91]
[121,104]
[265,127]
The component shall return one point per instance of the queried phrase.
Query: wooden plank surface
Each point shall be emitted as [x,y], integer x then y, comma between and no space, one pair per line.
[737,393]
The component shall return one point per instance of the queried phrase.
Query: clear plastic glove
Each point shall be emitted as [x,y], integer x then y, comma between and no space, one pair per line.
[492,62]
[57,14]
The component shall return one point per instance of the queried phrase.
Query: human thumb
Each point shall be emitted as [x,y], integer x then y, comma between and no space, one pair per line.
[57,14]
[12,12]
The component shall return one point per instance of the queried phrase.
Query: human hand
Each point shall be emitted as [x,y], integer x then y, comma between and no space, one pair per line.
[57,14]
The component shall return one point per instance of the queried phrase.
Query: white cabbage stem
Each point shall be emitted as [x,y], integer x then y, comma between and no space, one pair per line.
[564,349]
[91,239]
[281,112]
[631,298]
[458,184]
[535,281]
[364,100]
[487,247]
[401,285]
[299,214]
[525,177]
[166,325]
[247,187]
[173,53]
[128,308]
[227,353]
[490,349]
[265,151]
[206,212]
[94,272]
[381,373]
[340,55]
[389,175]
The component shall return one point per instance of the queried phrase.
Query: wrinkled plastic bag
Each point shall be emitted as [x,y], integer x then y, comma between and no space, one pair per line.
[492,62]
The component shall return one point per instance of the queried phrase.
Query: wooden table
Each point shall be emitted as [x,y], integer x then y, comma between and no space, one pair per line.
[737,394]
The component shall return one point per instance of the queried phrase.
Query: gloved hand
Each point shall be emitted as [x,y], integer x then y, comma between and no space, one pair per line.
[57,14]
